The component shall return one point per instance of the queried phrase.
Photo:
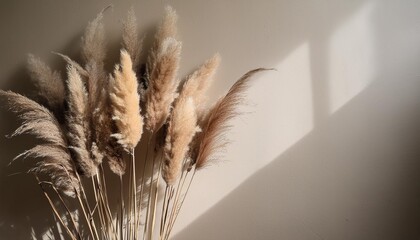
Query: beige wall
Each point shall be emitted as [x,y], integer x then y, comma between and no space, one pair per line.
[330,147]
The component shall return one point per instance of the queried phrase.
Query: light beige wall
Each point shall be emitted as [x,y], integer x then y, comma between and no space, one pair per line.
[329,148]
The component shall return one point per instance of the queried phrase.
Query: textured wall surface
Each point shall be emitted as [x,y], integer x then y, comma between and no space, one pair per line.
[329,147]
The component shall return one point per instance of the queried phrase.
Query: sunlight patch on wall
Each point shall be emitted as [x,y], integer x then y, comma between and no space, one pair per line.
[351,58]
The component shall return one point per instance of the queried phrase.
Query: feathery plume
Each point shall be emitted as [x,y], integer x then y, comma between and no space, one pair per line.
[37,120]
[167,29]
[78,129]
[73,63]
[125,103]
[57,164]
[40,122]
[197,83]
[163,84]
[181,129]
[49,84]
[131,41]
[93,41]
[211,140]
[162,67]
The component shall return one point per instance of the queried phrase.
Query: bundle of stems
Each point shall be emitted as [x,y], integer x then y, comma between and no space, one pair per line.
[92,117]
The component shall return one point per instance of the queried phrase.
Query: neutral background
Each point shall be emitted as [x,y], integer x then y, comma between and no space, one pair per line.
[330,147]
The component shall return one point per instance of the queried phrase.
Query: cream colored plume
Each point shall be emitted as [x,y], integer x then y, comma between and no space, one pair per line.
[125,103]
[77,124]
[50,85]
[55,160]
[167,29]
[198,83]
[181,129]
[163,84]
[131,41]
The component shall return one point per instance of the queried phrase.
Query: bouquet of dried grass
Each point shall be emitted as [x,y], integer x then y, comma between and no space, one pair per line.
[94,117]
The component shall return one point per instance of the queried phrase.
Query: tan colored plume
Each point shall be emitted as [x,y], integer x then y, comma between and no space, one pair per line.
[78,125]
[163,84]
[198,83]
[125,103]
[131,41]
[181,129]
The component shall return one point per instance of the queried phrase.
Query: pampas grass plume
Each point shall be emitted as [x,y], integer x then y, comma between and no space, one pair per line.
[50,85]
[163,84]
[131,41]
[211,139]
[181,130]
[125,103]
[78,129]
[55,160]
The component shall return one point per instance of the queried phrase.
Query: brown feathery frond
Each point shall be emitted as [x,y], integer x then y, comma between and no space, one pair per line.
[93,41]
[197,83]
[57,164]
[163,84]
[116,162]
[40,122]
[103,127]
[73,63]
[125,103]
[181,129]
[62,175]
[77,124]
[211,140]
[37,120]
[131,41]
[49,84]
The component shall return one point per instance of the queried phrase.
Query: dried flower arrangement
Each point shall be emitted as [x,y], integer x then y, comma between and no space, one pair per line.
[93,117]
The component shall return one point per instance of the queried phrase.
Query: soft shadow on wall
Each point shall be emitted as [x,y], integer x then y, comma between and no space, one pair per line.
[356,174]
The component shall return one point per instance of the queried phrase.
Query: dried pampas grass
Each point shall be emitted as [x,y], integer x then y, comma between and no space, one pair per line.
[93,41]
[211,140]
[198,83]
[125,103]
[78,128]
[49,84]
[130,38]
[162,68]
[100,118]
[181,130]
[163,84]
[40,122]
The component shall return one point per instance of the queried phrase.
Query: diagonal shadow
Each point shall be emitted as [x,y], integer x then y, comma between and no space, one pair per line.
[355,176]
[348,179]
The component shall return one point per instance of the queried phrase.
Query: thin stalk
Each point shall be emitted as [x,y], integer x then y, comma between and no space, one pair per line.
[143,178]
[105,206]
[129,204]
[122,207]
[149,198]
[68,211]
[91,221]
[55,209]
[155,199]
[182,202]
[171,194]
[163,209]
[99,206]
[178,191]
[133,158]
